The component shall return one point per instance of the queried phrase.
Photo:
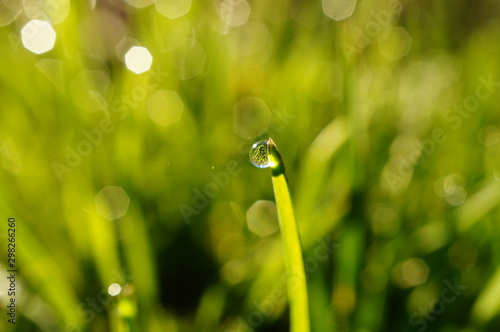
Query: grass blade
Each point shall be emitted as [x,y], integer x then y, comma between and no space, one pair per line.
[292,252]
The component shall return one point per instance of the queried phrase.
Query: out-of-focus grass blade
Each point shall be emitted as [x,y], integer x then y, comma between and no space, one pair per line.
[488,302]
[210,309]
[315,170]
[479,205]
[39,268]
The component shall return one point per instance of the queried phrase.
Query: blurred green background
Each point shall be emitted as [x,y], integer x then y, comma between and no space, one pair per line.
[125,144]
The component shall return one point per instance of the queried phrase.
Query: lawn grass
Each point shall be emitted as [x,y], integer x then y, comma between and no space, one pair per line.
[387,210]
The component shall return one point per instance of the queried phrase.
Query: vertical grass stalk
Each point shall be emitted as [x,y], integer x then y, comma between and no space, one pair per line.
[266,154]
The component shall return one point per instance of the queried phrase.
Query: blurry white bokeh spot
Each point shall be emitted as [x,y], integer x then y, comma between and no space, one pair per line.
[173,8]
[395,43]
[165,107]
[451,188]
[38,36]
[338,9]
[138,59]
[262,218]
[9,11]
[234,12]
[489,135]
[112,202]
[114,289]
[140,3]
[53,11]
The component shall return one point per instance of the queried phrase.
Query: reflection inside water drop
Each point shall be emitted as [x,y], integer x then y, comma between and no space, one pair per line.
[259,155]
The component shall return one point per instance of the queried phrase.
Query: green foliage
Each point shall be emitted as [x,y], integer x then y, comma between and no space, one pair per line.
[292,250]
[386,120]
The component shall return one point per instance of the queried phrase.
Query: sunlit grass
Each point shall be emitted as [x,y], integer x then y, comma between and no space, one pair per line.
[266,154]
[352,106]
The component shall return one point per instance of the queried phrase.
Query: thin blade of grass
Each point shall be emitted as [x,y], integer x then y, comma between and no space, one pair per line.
[294,266]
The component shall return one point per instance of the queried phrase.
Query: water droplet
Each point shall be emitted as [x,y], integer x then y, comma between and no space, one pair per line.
[259,155]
